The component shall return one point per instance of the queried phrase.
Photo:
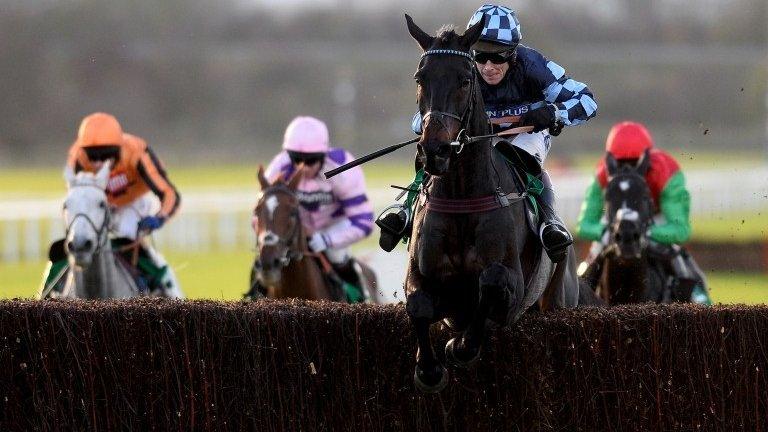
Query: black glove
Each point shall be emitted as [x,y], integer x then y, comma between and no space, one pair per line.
[541,117]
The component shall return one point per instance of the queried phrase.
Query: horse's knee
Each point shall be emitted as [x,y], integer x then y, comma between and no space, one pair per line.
[502,287]
[420,305]
[495,275]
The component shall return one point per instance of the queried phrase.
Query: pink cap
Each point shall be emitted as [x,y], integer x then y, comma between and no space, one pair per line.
[306,135]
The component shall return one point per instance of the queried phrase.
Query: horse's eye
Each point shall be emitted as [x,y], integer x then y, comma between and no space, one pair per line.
[102,204]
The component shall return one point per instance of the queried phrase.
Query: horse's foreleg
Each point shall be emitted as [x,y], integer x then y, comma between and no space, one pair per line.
[430,376]
[499,292]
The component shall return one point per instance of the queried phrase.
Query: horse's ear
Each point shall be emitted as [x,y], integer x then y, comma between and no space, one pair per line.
[610,164]
[425,41]
[644,163]
[263,182]
[472,34]
[69,175]
[102,177]
[293,182]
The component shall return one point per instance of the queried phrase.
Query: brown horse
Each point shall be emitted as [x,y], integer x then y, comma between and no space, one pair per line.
[285,267]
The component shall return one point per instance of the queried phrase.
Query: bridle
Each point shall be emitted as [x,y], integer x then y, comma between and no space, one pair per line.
[290,242]
[99,231]
[469,109]
[637,215]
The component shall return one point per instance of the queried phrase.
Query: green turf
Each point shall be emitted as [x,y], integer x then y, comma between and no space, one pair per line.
[224,276]
[48,182]
[732,227]
[586,162]
[44,182]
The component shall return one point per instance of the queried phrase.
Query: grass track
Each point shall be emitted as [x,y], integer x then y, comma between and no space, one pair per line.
[224,276]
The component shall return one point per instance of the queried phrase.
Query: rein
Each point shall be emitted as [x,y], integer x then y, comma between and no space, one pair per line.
[99,231]
[462,133]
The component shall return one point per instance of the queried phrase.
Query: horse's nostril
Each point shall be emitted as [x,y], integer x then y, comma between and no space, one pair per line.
[70,246]
[87,245]
[276,263]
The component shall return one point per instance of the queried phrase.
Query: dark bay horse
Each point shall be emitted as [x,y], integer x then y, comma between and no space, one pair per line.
[629,274]
[284,265]
[471,256]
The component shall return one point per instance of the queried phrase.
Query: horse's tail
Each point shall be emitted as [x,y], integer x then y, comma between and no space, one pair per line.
[587,296]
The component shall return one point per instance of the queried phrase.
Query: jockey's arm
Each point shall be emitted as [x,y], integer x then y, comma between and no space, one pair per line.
[590,225]
[573,100]
[675,203]
[357,223]
[153,173]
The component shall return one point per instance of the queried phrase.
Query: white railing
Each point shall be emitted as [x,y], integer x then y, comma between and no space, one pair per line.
[221,220]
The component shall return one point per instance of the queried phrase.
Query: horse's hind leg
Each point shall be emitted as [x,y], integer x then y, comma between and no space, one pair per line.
[500,290]
[430,376]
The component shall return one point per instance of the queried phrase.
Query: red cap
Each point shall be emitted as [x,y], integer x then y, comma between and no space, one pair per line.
[628,140]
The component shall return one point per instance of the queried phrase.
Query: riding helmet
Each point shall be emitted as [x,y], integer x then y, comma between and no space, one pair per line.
[306,135]
[100,129]
[628,140]
[502,29]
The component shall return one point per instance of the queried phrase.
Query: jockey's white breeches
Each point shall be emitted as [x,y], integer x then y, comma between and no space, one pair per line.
[536,144]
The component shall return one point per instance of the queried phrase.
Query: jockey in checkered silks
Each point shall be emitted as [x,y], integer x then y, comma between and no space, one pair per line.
[520,87]
[335,212]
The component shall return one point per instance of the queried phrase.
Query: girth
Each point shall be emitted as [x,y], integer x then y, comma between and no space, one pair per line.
[473,205]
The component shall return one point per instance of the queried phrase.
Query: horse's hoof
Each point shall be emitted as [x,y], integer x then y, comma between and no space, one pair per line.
[458,356]
[430,382]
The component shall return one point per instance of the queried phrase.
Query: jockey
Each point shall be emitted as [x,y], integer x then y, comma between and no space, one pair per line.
[135,172]
[336,212]
[627,141]
[521,87]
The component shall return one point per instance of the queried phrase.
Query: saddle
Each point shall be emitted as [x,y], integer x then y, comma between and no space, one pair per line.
[523,178]
[145,272]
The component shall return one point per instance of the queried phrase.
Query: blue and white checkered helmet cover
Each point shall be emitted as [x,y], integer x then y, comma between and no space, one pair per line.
[501,24]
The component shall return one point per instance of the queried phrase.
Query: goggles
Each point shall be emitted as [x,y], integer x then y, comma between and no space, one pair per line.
[305,158]
[495,58]
[102,153]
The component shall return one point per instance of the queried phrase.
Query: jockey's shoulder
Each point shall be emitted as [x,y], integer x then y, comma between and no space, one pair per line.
[661,156]
[134,144]
[338,156]
[133,147]
[529,56]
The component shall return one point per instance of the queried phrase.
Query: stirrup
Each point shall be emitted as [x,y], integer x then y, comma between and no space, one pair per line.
[393,222]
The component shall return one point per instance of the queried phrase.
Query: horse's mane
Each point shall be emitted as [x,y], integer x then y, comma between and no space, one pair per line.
[84,178]
[446,35]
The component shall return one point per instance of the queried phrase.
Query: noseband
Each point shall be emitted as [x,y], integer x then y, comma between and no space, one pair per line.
[99,231]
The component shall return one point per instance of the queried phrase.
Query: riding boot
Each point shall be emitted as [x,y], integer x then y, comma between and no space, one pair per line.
[554,235]
[54,275]
[353,286]
[393,225]
[166,285]
[396,220]
[690,277]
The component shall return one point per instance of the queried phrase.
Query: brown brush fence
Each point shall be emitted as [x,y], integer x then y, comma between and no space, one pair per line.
[300,366]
